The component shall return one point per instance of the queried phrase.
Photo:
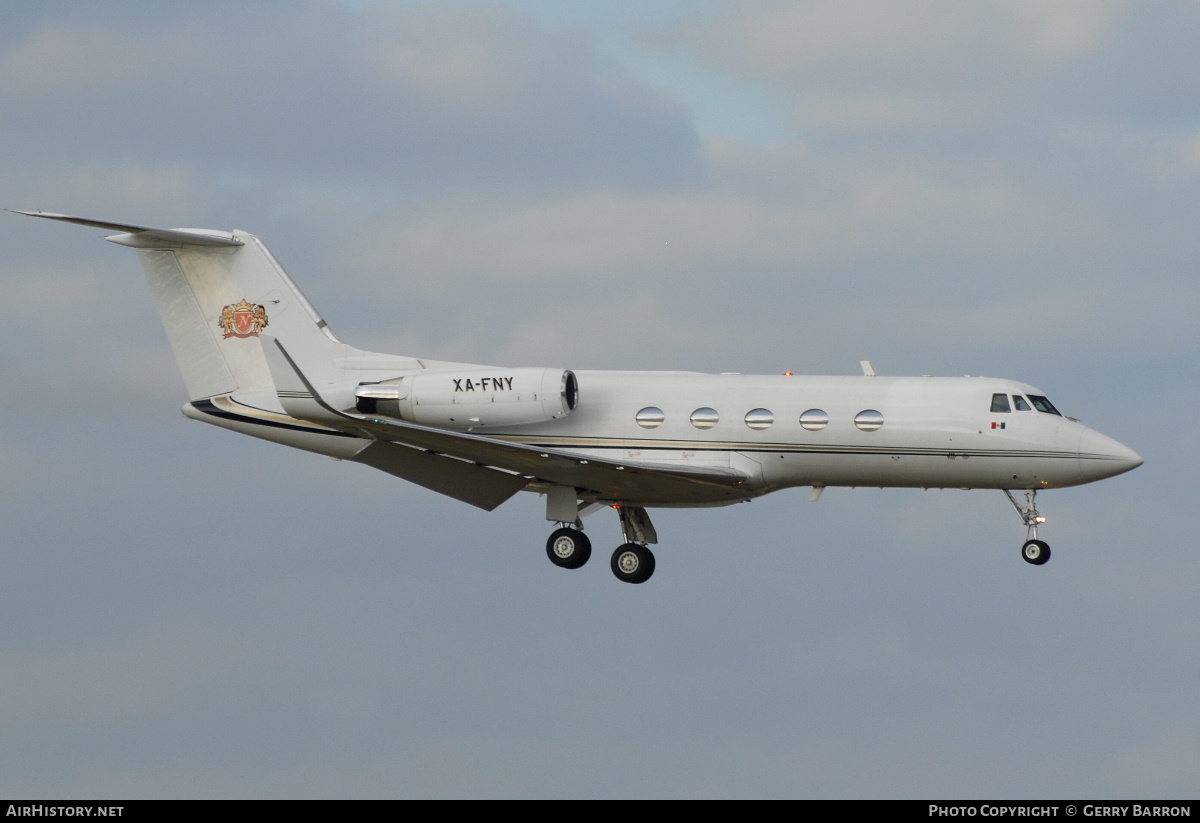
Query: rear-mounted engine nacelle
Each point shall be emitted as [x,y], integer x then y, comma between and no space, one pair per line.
[472,399]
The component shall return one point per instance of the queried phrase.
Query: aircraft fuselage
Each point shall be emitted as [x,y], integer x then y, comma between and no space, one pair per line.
[931,432]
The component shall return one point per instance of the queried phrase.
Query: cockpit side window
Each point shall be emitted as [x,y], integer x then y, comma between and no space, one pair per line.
[1000,403]
[1043,404]
[1020,402]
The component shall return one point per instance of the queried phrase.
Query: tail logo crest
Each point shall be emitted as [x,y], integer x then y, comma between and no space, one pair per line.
[244,319]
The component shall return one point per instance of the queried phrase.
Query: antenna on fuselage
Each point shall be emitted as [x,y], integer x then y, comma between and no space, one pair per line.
[868,369]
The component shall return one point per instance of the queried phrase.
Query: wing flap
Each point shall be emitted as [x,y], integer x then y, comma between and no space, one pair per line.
[477,485]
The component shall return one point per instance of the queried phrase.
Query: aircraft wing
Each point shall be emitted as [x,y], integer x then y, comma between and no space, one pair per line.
[605,479]
[608,479]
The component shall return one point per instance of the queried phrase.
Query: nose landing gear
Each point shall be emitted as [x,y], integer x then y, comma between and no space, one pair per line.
[1035,551]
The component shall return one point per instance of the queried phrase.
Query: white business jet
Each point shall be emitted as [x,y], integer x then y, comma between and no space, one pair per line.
[258,359]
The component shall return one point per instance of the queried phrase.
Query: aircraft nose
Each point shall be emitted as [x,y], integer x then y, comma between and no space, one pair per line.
[1101,456]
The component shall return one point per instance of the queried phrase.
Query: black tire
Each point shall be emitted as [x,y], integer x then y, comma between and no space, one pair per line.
[632,563]
[1035,552]
[568,548]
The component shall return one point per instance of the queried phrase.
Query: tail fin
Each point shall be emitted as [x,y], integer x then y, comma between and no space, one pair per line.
[215,300]
[217,291]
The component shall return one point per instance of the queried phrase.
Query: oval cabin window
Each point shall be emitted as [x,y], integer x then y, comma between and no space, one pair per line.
[759,418]
[814,420]
[650,417]
[869,420]
[705,418]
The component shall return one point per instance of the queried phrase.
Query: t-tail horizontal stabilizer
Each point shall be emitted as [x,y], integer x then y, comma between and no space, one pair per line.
[145,237]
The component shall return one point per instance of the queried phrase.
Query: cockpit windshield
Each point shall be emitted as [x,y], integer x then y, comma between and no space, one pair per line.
[1019,403]
[1043,404]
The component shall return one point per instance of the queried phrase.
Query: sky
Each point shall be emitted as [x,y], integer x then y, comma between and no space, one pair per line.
[998,188]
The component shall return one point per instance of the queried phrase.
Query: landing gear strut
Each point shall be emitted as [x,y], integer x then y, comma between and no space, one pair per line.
[1034,551]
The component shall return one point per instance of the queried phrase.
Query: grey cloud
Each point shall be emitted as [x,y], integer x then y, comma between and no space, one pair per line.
[467,95]
[942,72]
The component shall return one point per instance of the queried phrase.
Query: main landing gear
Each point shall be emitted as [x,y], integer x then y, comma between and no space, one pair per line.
[569,548]
[632,562]
[1034,551]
